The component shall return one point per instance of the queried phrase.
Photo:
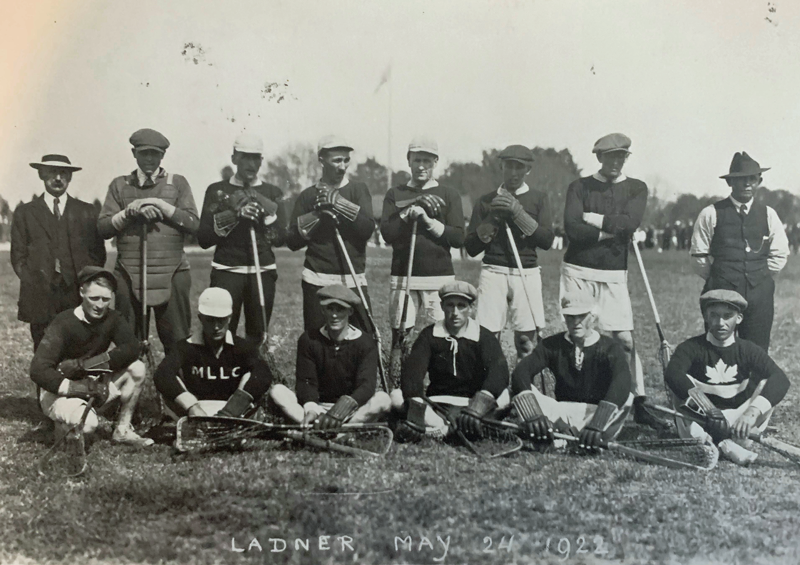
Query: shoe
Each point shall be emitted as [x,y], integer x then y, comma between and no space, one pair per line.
[736,453]
[646,416]
[127,436]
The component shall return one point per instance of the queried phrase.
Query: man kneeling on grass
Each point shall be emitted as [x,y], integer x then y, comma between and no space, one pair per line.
[730,385]
[466,367]
[73,364]
[592,382]
[337,367]
[213,373]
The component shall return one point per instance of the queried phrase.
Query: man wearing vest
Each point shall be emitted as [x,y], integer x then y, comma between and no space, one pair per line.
[333,201]
[740,244]
[53,237]
[151,203]
[232,208]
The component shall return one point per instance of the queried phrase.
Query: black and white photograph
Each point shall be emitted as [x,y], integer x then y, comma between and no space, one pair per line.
[420,282]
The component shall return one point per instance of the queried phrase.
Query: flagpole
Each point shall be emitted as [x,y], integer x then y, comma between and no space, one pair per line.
[389,137]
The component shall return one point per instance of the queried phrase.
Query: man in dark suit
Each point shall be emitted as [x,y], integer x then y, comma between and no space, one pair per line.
[53,237]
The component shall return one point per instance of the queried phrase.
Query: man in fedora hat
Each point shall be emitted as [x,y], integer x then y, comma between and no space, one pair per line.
[601,214]
[334,202]
[153,204]
[525,211]
[740,244]
[53,237]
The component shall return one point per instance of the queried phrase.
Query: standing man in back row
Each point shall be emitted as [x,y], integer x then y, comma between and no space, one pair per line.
[524,209]
[153,204]
[601,213]
[739,244]
[437,212]
[333,203]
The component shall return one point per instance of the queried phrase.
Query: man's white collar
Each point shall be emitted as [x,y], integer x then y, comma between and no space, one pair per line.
[80,314]
[714,341]
[601,177]
[593,338]
[49,199]
[197,338]
[519,192]
[142,176]
[740,204]
[342,183]
[471,330]
[349,334]
[236,181]
[427,186]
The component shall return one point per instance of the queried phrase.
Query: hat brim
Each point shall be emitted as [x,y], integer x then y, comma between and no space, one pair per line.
[215,312]
[576,311]
[332,147]
[617,150]
[55,165]
[708,302]
[745,174]
[101,274]
[427,150]
[326,301]
[141,147]
[518,160]
[460,294]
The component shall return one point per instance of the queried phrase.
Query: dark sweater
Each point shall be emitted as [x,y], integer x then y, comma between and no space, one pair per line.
[192,367]
[68,337]
[480,365]
[498,251]
[327,369]
[622,204]
[604,373]
[323,253]
[432,254]
[236,249]
[728,375]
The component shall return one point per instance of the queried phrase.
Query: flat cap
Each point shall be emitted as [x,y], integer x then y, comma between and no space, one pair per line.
[332,142]
[517,153]
[423,144]
[612,142]
[248,143]
[339,294]
[576,304]
[55,161]
[92,272]
[149,139]
[215,302]
[743,165]
[458,288]
[722,296]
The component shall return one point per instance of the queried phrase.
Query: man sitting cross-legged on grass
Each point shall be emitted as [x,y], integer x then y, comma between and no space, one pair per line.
[336,368]
[75,350]
[730,383]
[466,367]
[213,373]
[592,382]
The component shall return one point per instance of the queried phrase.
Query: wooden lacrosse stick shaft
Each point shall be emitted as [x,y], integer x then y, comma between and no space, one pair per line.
[407,292]
[649,291]
[260,285]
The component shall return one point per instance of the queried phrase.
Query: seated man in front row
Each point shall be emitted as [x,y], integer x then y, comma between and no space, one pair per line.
[337,368]
[466,366]
[213,373]
[592,382]
[730,384]
[73,364]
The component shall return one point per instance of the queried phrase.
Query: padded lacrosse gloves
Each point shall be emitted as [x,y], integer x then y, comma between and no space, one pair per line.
[534,423]
[330,199]
[71,368]
[469,419]
[339,412]
[714,421]
[237,404]
[87,389]
[591,436]
[507,206]
[432,204]
[412,429]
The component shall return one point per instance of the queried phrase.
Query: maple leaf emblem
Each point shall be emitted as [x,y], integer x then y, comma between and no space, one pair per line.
[721,373]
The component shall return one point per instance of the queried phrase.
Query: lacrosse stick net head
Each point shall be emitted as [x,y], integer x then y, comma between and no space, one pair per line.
[689,453]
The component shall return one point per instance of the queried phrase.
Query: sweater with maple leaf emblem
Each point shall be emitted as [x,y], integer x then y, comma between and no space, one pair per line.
[729,375]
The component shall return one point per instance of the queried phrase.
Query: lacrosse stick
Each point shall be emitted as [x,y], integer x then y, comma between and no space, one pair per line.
[692,454]
[263,349]
[513,244]
[665,349]
[787,450]
[211,433]
[396,356]
[67,457]
[375,333]
[147,352]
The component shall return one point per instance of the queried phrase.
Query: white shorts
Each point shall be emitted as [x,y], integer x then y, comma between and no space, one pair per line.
[688,429]
[426,301]
[614,310]
[210,407]
[578,414]
[502,298]
[435,425]
[68,411]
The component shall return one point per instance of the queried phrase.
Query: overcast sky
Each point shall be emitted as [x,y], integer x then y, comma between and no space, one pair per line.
[691,82]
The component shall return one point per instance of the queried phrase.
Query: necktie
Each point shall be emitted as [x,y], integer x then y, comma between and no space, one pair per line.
[56,211]
[743,212]
[148,181]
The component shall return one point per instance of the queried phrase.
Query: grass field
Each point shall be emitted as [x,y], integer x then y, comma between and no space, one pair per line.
[157,507]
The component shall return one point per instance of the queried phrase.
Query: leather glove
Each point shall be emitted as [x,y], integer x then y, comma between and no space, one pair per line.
[237,404]
[71,368]
[432,204]
[325,198]
[469,419]
[338,413]
[714,421]
[89,388]
[409,432]
[591,436]
[534,423]
[502,204]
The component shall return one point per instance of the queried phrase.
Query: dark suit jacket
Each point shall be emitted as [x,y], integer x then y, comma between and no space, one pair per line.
[37,240]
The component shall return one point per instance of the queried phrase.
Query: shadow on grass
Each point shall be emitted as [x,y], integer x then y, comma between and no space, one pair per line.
[21,409]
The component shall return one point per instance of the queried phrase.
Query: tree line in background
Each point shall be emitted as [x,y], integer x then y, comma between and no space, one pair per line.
[297,167]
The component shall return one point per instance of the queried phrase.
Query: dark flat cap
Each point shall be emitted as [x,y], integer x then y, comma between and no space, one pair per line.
[743,165]
[93,272]
[55,161]
[458,288]
[339,294]
[149,139]
[517,153]
[722,296]
[612,142]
